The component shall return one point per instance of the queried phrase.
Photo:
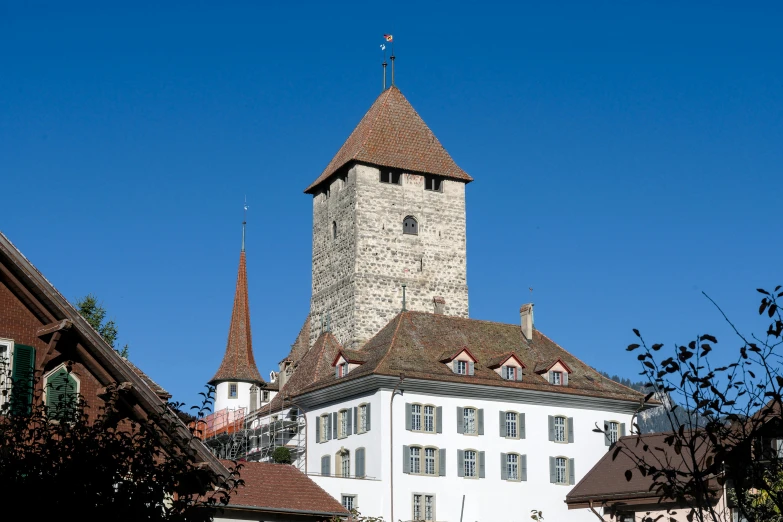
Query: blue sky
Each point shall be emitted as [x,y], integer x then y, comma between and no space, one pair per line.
[627,156]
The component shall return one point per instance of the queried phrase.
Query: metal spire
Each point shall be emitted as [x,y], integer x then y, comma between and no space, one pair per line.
[244,224]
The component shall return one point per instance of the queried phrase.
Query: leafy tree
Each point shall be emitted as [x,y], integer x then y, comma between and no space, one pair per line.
[734,413]
[105,466]
[95,314]
[282,455]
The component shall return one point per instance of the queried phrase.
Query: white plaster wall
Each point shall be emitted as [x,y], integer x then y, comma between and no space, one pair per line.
[488,499]
[242,399]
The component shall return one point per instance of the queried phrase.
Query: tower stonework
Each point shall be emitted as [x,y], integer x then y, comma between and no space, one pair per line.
[391,168]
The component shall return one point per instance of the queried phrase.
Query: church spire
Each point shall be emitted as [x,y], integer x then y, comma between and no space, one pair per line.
[238,362]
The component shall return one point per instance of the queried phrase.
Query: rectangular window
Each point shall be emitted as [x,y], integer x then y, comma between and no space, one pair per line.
[345,465]
[511,425]
[265,396]
[510,373]
[362,418]
[324,428]
[433,183]
[613,432]
[429,419]
[469,421]
[557,378]
[429,461]
[343,426]
[417,505]
[415,460]
[232,390]
[429,507]
[470,463]
[461,367]
[561,477]
[512,466]
[5,371]
[388,176]
[560,429]
[349,502]
[416,417]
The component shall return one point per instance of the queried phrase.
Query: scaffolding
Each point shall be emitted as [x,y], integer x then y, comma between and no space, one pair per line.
[235,434]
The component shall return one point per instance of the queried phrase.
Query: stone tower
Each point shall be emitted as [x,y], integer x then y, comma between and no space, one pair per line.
[388,211]
[237,380]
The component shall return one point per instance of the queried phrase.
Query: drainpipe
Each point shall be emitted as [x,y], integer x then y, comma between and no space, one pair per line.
[391,445]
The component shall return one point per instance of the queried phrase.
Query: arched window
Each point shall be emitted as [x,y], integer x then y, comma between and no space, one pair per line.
[334,229]
[410,226]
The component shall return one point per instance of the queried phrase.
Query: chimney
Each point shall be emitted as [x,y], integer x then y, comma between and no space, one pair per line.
[526,319]
[440,305]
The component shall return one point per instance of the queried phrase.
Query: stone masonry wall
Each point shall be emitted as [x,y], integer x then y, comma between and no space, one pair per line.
[358,276]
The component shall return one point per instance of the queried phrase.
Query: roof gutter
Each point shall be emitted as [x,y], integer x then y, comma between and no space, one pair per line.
[238,507]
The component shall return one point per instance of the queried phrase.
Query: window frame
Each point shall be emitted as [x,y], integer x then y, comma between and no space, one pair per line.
[565,429]
[613,434]
[461,367]
[475,461]
[265,395]
[353,497]
[557,378]
[415,228]
[465,420]
[415,470]
[423,497]
[514,423]
[6,371]
[422,417]
[324,427]
[361,422]
[565,481]
[342,463]
[235,387]
[435,461]
[45,385]
[416,417]
[342,423]
[518,464]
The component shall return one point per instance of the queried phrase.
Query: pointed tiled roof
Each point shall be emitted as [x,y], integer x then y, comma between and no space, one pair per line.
[238,362]
[392,134]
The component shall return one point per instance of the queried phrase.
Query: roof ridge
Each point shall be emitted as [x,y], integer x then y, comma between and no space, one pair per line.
[393,340]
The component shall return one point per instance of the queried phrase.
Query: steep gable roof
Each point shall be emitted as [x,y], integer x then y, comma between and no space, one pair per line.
[413,343]
[392,134]
[238,363]
[49,305]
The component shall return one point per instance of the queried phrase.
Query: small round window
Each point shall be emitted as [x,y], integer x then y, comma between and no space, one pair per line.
[410,226]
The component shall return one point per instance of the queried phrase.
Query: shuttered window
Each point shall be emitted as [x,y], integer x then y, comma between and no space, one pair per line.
[22,378]
[410,226]
[61,394]
[326,465]
[360,471]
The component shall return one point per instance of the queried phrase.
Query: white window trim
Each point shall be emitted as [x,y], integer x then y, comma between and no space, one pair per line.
[565,471]
[423,460]
[565,429]
[475,421]
[48,374]
[422,416]
[423,505]
[617,430]
[342,424]
[5,372]
[324,432]
[519,467]
[355,498]
[457,367]
[517,436]
[476,463]
[339,457]
[359,428]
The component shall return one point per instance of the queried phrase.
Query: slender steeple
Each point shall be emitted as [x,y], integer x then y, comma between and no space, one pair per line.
[238,362]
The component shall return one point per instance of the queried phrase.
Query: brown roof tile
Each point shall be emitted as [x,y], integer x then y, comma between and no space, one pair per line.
[281,487]
[238,362]
[301,344]
[392,134]
[415,342]
[606,481]
[157,388]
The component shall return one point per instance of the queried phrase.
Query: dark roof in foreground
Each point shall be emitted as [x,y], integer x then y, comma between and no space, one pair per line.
[281,488]
[606,482]
[413,343]
[392,134]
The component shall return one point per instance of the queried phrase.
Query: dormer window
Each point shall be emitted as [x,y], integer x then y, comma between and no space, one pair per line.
[556,373]
[390,176]
[342,369]
[461,367]
[461,362]
[511,373]
[556,378]
[345,362]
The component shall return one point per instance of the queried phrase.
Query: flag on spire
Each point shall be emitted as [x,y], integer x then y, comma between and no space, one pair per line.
[389,38]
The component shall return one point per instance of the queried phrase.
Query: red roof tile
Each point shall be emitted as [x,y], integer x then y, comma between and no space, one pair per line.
[392,134]
[281,487]
[414,343]
[238,362]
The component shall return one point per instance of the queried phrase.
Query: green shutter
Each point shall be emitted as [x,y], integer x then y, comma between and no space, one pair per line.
[22,376]
[61,394]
